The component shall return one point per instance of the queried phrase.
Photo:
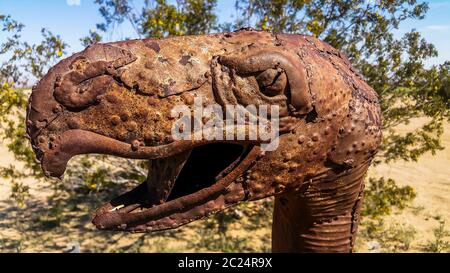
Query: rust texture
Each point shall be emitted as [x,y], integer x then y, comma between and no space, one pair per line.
[116,99]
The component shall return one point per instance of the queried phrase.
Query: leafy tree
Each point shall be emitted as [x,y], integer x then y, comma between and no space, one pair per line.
[394,67]
[158,18]
[383,195]
[23,62]
[92,38]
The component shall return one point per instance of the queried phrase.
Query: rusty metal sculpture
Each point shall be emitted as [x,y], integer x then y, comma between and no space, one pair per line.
[116,98]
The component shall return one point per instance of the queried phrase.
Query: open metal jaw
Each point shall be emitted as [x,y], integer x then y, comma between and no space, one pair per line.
[119,99]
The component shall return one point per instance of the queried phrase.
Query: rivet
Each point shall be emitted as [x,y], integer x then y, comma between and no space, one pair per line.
[56,109]
[131,126]
[157,116]
[144,112]
[41,139]
[315,137]
[148,136]
[142,75]
[135,145]
[124,116]
[172,99]
[293,167]
[115,120]
[152,101]
[187,98]
[157,137]
[254,176]
[73,123]
[301,139]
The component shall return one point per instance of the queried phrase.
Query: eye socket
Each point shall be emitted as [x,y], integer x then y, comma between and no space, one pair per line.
[272,82]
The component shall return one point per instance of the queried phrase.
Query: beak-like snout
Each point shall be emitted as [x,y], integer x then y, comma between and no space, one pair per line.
[102,101]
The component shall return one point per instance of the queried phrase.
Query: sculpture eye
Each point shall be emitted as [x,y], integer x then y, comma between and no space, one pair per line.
[272,82]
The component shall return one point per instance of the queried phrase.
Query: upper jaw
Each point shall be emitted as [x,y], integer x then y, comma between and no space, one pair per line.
[76,142]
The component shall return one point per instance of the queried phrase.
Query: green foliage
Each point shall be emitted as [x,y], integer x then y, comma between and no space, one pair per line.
[54,216]
[184,18]
[19,192]
[381,196]
[159,18]
[23,61]
[92,38]
[219,243]
[393,238]
[216,232]
[439,244]
[94,173]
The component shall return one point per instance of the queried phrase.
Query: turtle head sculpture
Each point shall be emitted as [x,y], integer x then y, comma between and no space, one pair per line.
[139,99]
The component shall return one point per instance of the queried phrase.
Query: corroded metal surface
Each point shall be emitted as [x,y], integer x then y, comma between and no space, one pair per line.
[116,99]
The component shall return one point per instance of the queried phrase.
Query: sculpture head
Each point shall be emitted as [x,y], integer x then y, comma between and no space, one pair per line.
[138,99]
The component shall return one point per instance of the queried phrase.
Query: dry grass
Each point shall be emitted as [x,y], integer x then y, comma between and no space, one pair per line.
[38,229]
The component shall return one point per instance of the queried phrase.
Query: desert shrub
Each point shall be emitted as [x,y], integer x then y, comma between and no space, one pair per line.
[217,233]
[382,195]
[440,242]
[396,237]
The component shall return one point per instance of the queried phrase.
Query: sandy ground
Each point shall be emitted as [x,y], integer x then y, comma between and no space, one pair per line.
[430,177]
[31,229]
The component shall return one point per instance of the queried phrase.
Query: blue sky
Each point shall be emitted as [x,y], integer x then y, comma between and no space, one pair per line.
[72,19]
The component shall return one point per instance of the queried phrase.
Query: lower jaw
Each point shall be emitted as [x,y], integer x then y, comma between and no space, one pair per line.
[76,142]
[132,212]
